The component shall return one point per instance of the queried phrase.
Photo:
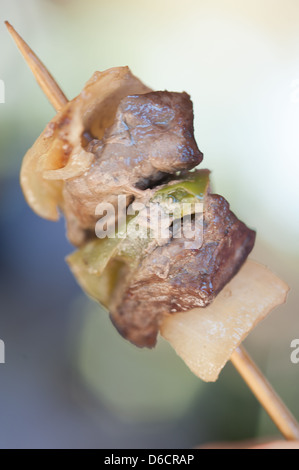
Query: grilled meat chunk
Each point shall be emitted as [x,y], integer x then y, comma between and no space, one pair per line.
[174,279]
[151,137]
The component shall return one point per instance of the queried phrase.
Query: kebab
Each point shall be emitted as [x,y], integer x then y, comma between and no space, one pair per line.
[119,138]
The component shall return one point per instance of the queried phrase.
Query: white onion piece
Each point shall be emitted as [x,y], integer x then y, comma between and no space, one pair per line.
[205,338]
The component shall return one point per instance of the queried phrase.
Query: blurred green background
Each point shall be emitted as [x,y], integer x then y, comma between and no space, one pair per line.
[69,379]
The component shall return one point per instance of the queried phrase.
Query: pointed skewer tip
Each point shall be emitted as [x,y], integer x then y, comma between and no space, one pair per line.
[45,80]
[9,26]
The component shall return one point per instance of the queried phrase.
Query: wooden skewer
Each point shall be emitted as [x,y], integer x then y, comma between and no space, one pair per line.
[264,392]
[256,381]
[45,80]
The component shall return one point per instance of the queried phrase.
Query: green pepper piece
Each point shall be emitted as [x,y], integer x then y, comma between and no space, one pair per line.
[195,184]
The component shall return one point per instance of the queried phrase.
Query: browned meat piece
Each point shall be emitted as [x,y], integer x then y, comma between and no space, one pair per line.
[173,279]
[152,136]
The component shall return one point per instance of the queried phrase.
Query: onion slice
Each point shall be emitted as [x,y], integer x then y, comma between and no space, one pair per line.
[205,338]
